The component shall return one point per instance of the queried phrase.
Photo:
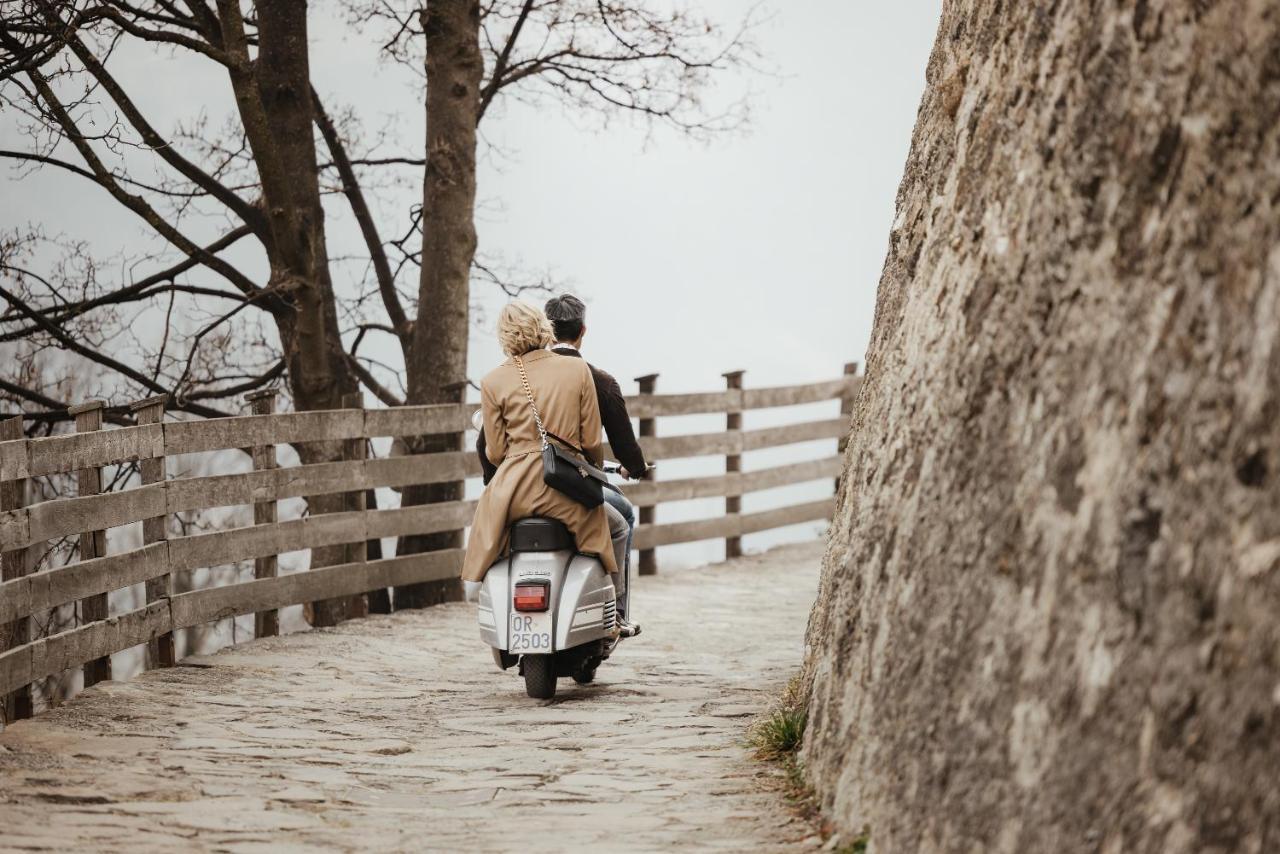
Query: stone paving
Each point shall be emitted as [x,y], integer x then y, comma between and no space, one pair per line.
[398,733]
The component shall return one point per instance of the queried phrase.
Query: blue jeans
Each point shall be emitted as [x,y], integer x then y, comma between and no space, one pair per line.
[627,510]
[623,505]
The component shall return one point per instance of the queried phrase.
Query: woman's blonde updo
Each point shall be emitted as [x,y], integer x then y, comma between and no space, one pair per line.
[522,328]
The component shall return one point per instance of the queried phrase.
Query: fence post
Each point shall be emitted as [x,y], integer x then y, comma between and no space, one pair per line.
[648,427]
[733,462]
[93,544]
[427,593]
[13,564]
[160,651]
[846,409]
[355,449]
[378,601]
[263,402]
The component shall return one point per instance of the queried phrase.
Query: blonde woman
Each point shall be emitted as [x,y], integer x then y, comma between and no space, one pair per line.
[566,398]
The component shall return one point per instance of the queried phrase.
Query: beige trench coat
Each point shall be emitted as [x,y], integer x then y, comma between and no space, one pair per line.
[566,397]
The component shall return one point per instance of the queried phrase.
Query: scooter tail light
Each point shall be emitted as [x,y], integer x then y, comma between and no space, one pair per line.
[531,596]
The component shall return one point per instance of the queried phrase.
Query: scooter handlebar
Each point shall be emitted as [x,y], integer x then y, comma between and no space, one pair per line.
[613,467]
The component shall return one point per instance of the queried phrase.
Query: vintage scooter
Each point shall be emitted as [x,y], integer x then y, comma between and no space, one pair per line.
[549,609]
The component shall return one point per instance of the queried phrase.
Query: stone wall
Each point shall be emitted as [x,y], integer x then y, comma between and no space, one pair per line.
[1050,611]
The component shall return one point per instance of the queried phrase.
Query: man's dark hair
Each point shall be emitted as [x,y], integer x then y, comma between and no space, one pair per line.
[566,313]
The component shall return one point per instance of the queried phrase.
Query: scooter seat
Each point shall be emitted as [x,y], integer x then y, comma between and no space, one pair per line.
[539,534]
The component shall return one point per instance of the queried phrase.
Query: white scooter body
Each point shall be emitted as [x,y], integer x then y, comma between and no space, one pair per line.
[577,629]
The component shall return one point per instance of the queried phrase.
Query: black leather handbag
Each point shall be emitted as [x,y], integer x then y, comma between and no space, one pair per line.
[565,467]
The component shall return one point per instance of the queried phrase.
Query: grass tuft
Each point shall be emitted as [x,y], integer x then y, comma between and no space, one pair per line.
[777,738]
[857,846]
[780,733]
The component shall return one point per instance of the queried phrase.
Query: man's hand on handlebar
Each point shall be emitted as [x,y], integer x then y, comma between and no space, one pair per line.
[648,469]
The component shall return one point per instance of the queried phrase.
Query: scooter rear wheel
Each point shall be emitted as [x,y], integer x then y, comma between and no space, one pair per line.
[539,676]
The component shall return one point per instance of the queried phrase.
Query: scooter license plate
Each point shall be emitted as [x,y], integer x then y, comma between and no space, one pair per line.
[530,632]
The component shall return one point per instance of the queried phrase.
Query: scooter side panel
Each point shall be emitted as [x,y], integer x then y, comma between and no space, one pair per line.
[494,606]
[585,610]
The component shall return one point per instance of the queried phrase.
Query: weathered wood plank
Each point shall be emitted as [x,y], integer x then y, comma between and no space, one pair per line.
[685,532]
[202,606]
[715,486]
[653,405]
[186,437]
[795,514]
[197,493]
[98,640]
[684,489]
[734,442]
[93,543]
[94,448]
[733,462]
[42,591]
[724,526]
[237,544]
[263,402]
[15,669]
[60,517]
[162,651]
[356,450]
[438,467]
[418,420]
[13,566]
[15,529]
[791,395]
[688,445]
[649,406]
[15,599]
[648,427]
[271,484]
[785,475]
[421,519]
[15,462]
[788,434]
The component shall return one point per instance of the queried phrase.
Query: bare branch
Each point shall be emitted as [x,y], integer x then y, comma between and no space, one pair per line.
[371,382]
[368,229]
[134,203]
[504,58]
[145,288]
[247,213]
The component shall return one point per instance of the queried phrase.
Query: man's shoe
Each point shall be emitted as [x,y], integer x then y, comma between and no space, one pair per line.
[626,629]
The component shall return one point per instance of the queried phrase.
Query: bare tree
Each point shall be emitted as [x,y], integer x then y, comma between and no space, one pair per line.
[229,326]
[54,60]
[80,118]
[628,57]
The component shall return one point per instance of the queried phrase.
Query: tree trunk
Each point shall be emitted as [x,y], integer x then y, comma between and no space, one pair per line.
[1047,620]
[437,360]
[278,114]
[318,371]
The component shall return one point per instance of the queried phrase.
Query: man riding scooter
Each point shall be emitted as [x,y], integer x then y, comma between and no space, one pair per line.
[567,314]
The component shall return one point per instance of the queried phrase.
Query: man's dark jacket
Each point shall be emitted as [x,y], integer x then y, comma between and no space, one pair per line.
[613,414]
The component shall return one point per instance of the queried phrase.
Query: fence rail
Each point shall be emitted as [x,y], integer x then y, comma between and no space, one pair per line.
[81,457]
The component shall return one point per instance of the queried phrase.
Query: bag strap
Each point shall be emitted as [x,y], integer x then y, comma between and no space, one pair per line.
[543,432]
[528,392]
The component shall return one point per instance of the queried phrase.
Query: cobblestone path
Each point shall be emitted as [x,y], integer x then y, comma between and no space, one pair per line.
[399,733]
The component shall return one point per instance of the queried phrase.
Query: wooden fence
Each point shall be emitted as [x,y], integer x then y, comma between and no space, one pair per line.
[156,496]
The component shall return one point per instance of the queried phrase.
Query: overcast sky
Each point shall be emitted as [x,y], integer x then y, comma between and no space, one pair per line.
[760,250]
